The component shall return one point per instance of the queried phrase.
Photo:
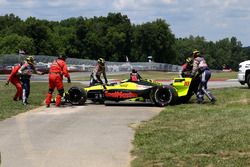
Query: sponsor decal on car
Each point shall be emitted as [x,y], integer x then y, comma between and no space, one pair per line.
[186,83]
[118,94]
[142,87]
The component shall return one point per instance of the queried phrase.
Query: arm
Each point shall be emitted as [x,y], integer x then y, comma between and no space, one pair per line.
[95,73]
[139,77]
[195,67]
[66,72]
[105,76]
[20,71]
[36,71]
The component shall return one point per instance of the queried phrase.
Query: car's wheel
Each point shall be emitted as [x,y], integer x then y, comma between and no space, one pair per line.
[248,80]
[77,96]
[164,95]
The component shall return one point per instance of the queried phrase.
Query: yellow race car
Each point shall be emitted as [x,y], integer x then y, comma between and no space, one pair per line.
[145,90]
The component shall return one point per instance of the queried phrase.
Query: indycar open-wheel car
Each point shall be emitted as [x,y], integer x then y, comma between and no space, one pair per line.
[146,91]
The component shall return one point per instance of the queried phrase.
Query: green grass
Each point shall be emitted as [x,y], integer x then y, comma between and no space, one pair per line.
[198,135]
[224,75]
[37,96]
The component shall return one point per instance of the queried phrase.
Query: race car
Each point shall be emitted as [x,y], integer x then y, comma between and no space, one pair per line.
[145,90]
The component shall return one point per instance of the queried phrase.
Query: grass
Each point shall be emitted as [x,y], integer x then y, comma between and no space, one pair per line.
[198,135]
[37,96]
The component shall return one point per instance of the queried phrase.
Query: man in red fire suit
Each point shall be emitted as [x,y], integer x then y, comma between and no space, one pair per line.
[15,80]
[57,70]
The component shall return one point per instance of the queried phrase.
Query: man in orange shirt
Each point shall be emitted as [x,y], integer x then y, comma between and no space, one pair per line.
[14,78]
[57,70]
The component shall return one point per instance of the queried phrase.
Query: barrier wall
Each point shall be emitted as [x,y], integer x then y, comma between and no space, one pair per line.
[43,62]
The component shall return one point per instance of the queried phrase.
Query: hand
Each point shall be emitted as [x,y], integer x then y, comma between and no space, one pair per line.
[7,83]
[69,80]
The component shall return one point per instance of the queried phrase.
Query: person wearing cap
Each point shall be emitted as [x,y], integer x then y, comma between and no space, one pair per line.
[201,70]
[99,70]
[25,73]
[57,70]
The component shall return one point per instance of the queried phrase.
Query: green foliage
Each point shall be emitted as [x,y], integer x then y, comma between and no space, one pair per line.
[225,51]
[12,43]
[114,38]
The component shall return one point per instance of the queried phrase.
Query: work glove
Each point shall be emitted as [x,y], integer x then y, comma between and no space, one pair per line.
[69,80]
[7,83]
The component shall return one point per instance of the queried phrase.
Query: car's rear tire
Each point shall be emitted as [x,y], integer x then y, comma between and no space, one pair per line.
[164,95]
[77,96]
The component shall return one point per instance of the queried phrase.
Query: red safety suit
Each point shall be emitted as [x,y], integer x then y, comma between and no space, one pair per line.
[57,70]
[15,80]
[135,77]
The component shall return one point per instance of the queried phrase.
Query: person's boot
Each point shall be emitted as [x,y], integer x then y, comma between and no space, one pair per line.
[25,102]
[48,99]
[58,100]
[199,100]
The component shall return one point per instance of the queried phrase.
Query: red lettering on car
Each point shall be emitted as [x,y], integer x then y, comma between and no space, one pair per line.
[123,95]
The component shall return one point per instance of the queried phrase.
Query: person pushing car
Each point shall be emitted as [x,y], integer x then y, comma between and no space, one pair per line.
[57,70]
[99,69]
[200,68]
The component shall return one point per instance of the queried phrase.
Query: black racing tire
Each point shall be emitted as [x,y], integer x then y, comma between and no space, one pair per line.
[77,96]
[164,95]
[248,80]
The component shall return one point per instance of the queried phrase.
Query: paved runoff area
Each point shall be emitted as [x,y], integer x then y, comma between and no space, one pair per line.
[72,136]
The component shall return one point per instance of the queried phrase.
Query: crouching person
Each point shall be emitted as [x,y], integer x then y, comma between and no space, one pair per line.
[57,70]
[14,78]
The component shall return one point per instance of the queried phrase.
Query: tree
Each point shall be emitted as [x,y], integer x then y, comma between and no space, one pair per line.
[39,33]
[154,39]
[13,43]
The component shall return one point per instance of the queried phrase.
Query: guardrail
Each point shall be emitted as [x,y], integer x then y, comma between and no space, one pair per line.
[44,62]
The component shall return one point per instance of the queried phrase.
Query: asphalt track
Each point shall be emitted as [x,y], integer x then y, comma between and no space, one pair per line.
[75,136]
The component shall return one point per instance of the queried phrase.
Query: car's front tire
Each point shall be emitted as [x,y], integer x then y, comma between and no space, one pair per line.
[77,96]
